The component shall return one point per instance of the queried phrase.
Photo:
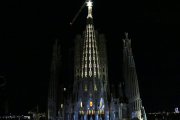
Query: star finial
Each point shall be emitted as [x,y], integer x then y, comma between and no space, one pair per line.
[89,5]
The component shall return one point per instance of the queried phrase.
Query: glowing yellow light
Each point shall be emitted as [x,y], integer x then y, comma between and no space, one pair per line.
[91,103]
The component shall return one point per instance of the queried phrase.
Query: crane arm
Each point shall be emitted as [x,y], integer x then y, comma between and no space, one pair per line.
[77,14]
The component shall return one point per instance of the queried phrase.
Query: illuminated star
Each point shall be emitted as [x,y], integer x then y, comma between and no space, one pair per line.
[89,3]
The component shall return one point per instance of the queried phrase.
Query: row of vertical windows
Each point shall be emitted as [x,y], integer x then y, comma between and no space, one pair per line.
[90,43]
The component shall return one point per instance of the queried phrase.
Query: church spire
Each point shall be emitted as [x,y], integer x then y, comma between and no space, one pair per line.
[131,80]
[89,5]
[90,58]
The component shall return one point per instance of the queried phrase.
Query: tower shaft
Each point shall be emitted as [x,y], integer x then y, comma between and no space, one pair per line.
[131,81]
[53,83]
[88,85]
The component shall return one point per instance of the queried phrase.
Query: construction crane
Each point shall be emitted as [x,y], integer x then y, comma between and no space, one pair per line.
[77,14]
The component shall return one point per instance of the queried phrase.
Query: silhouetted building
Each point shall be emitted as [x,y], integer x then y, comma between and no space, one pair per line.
[53,105]
[91,97]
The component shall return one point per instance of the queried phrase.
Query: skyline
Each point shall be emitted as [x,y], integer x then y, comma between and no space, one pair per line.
[156,56]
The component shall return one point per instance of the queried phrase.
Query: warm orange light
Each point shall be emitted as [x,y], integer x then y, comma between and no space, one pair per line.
[91,103]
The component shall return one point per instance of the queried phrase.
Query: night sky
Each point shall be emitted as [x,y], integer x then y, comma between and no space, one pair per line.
[29,29]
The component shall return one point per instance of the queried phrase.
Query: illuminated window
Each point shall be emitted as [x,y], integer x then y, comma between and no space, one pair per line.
[100,103]
[91,103]
[85,88]
[90,73]
[95,65]
[61,105]
[94,73]
[90,57]
[81,104]
[95,87]
[64,89]
[90,65]
[93,112]
[85,73]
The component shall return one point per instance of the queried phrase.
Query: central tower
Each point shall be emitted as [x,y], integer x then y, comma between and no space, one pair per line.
[90,56]
[89,85]
[91,98]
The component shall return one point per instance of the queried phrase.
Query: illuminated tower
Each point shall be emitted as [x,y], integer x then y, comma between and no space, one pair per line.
[131,81]
[101,45]
[91,99]
[53,83]
[90,70]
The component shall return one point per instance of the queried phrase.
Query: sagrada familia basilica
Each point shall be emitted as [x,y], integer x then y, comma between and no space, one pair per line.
[91,97]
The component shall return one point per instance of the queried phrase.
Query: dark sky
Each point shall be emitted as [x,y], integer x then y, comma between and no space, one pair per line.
[29,29]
